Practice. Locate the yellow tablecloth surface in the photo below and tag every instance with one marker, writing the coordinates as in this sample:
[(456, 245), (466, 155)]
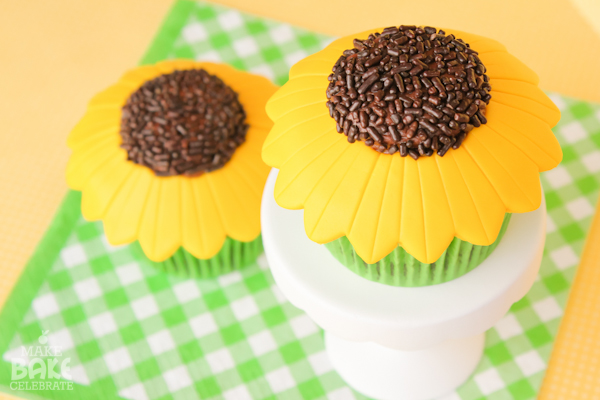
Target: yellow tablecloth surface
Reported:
[(57, 54)]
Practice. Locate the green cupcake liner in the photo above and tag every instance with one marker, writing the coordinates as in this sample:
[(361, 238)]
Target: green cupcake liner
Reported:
[(401, 269), (232, 256)]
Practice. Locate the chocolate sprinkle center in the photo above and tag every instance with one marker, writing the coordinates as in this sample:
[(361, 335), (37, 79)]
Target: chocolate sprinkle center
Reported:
[(183, 123), (413, 90)]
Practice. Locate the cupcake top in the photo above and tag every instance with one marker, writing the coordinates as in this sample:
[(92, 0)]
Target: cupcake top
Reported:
[(170, 156), (443, 158)]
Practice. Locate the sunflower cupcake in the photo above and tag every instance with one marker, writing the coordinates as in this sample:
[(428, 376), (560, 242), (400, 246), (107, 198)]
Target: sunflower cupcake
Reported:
[(169, 156), (409, 148)]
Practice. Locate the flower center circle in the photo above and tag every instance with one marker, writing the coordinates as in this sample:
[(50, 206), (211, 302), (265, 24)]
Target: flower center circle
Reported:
[(184, 123), (413, 90)]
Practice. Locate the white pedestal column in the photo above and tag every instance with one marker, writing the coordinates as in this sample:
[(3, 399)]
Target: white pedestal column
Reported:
[(384, 373), (393, 342)]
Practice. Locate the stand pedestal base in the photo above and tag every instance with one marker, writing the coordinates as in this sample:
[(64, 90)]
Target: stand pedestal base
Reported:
[(388, 374)]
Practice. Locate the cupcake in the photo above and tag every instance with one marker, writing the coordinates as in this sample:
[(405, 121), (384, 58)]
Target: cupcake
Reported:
[(409, 148), (169, 156)]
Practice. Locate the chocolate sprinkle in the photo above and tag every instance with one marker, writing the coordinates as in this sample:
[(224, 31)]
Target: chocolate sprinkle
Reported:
[(183, 123), (412, 90)]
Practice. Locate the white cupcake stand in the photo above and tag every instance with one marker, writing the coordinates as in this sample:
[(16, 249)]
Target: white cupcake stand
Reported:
[(393, 342)]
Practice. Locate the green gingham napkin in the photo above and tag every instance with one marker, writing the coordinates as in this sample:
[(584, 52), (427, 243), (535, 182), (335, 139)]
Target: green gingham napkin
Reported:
[(127, 330)]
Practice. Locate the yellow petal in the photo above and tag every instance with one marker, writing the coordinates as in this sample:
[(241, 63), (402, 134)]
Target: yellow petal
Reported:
[(253, 91), (319, 63), (345, 43), (297, 92), (327, 213), (122, 218), (256, 116), (114, 96), (365, 226), (84, 162), (478, 43), (488, 204), (312, 66), (255, 138), (465, 217), (168, 66), (257, 172), (313, 97), (513, 175), (437, 217), (203, 231), (168, 228), (412, 227), (486, 45), (139, 75), (386, 238), (527, 132), (249, 184), (251, 148), (191, 234), (294, 131), (537, 155), (94, 124), (550, 117), (252, 176), (147, 234), (100, 188), (236, 214), (300, 173), (107, 134), (525, 90), (286, 105), (323, 218), (502, 65)]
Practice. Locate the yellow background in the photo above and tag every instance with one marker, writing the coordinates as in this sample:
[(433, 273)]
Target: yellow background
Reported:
[(57, 54)]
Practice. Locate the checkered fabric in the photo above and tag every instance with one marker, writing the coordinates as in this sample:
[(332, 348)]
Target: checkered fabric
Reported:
[(133, 332)]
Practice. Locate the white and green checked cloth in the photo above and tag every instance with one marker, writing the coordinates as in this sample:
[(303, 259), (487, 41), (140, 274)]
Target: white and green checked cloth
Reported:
[(130, 331)]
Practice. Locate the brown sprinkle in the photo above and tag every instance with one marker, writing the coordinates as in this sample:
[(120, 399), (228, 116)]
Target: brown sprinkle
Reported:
[(411, 90), (183, 123)]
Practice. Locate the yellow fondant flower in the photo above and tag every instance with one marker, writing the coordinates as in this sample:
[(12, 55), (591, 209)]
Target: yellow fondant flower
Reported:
[(164, 213), (380, 201)]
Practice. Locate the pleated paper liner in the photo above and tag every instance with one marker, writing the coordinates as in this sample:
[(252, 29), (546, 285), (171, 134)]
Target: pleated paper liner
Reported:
[(401, 269), (233, 255)]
